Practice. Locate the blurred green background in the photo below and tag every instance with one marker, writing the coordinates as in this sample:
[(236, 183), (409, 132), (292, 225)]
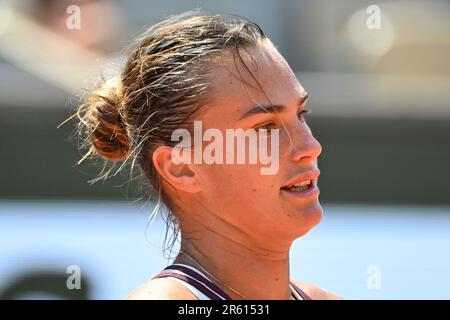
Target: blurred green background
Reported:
[(364, 160)]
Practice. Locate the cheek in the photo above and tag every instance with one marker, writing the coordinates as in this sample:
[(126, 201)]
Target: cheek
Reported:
[(241, 184)]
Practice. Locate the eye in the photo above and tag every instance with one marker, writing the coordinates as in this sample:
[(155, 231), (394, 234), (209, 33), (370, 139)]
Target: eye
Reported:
[(267, 125), (301, 114)]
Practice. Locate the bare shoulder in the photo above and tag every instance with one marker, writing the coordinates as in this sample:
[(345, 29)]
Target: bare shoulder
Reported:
[(161, 289), (315, 292)]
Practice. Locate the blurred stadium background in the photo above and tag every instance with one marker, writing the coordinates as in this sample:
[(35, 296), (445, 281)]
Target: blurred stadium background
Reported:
[(381, 109)]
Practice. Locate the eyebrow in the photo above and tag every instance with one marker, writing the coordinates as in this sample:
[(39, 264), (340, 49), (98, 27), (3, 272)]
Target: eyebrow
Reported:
[(271, 108)]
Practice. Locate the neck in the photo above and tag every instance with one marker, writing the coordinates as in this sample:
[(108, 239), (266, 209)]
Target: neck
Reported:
[(251, 270)]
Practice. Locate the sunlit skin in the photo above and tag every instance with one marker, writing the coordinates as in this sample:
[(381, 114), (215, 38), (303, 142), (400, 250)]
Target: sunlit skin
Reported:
[(236, 223)]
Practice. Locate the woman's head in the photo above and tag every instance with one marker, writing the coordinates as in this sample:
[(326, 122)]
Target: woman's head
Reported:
[(213, 69)]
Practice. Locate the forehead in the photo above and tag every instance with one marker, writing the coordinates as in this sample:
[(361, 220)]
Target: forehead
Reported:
[(233, 89)]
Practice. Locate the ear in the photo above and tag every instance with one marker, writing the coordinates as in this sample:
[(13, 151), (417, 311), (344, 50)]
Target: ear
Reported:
[(175, 171)]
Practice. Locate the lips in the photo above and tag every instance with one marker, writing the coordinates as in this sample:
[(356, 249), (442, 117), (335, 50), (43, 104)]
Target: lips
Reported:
[(303, 179), (303, 184), (299, 188)]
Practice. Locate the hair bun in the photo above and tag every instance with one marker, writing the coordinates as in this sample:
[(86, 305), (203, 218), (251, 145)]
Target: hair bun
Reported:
[(107, 127)]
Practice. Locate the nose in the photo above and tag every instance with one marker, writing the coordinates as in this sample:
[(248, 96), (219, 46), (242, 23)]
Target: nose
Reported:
[(305, 145)]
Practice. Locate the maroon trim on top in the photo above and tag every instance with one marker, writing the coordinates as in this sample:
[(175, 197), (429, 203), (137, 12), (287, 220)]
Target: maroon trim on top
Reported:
[(200, 282), (193, 282), (204, 285), (201, 278), (301, 292)]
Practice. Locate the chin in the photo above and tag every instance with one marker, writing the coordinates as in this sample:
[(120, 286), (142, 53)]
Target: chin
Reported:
[(308, 218)]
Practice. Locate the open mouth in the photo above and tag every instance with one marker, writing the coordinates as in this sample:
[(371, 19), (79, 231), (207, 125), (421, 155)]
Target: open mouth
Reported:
[(303, 185), (300, 187)]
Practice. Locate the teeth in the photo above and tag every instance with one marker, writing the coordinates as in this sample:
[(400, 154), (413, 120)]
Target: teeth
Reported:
[(298, 189), (303, 183), (301, 186)]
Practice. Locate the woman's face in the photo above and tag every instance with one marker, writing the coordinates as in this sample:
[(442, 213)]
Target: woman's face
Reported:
[(255, 203)]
